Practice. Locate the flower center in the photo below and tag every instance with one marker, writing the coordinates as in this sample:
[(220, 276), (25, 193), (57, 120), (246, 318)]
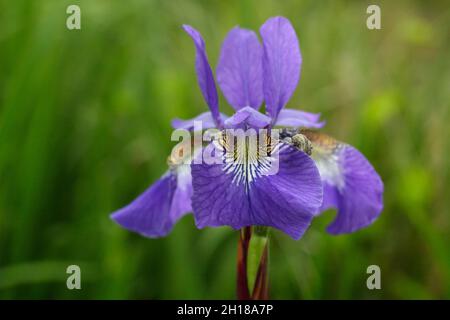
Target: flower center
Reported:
[(247, 155)]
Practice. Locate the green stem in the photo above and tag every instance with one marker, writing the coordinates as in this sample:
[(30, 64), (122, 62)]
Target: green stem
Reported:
[(258, 243)]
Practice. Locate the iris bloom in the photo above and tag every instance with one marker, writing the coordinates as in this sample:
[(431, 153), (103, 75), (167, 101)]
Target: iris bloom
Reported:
[(321, 174)]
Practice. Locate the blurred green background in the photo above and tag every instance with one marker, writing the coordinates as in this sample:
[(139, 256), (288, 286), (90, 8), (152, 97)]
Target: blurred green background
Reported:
[(85, 127)]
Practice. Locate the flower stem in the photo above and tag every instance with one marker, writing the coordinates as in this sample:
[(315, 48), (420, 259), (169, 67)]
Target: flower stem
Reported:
[(252, 276)]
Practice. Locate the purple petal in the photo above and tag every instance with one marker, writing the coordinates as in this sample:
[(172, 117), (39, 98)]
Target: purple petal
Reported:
[(154, 212), (204, 74), (297, 118), (205, 118), (239, 197), (239, 72), (352, 186), (281, 63), (248, 116)]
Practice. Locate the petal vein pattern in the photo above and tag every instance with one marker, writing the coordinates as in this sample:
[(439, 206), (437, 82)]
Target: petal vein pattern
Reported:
[(248, 157)]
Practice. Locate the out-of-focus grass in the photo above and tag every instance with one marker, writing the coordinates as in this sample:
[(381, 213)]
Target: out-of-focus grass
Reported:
[(84, 128)]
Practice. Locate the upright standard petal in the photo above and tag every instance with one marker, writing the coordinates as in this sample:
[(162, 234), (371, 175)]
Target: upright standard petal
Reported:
[(351, 184), (297, 118), (281, 63), (204, 74), (238, 194), (239, 71)]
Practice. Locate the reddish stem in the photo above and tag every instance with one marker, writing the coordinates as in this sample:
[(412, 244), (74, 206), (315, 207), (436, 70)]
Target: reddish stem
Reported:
[(242, 283)]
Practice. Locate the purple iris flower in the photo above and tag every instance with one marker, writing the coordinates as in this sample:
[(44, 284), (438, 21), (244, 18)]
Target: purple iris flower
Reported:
[(315, 173)]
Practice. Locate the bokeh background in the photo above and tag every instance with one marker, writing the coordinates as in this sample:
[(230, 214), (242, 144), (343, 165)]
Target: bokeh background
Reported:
[(85, 127)]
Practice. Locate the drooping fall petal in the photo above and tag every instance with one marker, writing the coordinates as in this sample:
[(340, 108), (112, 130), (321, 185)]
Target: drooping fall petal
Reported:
[(351, 184), (240, 194)]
